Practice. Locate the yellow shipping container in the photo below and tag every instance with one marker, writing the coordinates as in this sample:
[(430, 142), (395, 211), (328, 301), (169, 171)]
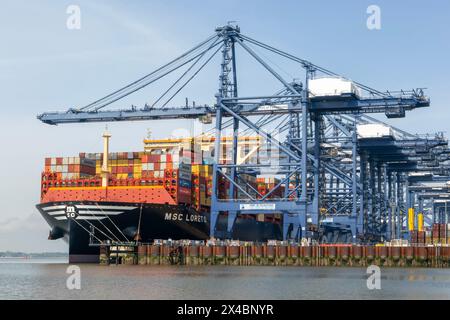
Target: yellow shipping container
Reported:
[(195, 168), (137, 170), (202, 170)]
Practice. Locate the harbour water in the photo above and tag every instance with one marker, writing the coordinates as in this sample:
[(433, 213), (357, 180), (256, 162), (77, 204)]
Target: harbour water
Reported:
[(46, 279)]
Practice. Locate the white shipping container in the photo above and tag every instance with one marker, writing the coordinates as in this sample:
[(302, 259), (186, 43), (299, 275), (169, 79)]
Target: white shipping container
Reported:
[(163, 158), (323, 87), (162, 166), (72, 176), (65, 161), (374, 130), (150, 166), (53, 161), (185, 160), (77, 160)]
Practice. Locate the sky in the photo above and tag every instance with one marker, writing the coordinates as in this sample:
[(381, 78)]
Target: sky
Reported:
[(44, 66)]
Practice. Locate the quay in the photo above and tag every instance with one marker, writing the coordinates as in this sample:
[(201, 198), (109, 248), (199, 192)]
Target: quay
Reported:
[(278, 253)]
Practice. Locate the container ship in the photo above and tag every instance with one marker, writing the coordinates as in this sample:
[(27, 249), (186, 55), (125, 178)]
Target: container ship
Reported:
[(162, 192)]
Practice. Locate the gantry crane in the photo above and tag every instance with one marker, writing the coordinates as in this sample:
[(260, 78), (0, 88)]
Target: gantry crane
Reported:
[(304, 127)]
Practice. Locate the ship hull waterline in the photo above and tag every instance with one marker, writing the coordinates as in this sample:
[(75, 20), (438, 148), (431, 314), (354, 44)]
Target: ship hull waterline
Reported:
[(83, 223)]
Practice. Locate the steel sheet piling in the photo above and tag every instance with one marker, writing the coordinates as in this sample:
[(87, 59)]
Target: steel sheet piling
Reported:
[(280, 254)]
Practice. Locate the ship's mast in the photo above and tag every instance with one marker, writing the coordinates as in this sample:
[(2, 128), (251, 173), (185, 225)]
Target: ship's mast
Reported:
[(105, 171)]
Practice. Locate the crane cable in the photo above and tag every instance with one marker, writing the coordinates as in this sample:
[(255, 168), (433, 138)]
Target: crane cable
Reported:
[(153, 73), (184, 74), (188, 80), (147, 83), (306, 63)]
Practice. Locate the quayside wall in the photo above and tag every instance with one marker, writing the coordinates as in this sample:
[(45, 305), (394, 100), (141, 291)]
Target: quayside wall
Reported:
[(278, 255)]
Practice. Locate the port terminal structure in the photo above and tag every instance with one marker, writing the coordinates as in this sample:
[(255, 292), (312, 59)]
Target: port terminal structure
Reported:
[(364, 186)]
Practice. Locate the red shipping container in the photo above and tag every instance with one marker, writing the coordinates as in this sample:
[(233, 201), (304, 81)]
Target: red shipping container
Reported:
[(48, 161), (59, 161)]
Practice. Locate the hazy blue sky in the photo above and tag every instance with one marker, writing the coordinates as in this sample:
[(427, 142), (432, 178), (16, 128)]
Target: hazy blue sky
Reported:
[(44, 66)]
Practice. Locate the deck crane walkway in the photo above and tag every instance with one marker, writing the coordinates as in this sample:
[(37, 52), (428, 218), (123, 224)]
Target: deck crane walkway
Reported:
[(306, 117)]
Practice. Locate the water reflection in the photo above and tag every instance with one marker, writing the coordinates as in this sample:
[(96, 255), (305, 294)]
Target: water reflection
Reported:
[(48, 281)]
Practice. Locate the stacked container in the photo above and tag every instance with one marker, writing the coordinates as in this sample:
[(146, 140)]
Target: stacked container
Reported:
[(266, 184), (201, 185), (183, 167), (121, 165), (70, 167), (154, 165)]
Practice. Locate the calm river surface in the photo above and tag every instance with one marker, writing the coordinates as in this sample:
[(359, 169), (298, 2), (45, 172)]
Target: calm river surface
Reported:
[(46, 279)]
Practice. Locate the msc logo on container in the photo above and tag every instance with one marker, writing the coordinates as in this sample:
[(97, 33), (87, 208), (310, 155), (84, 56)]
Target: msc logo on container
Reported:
[(71, 212)]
